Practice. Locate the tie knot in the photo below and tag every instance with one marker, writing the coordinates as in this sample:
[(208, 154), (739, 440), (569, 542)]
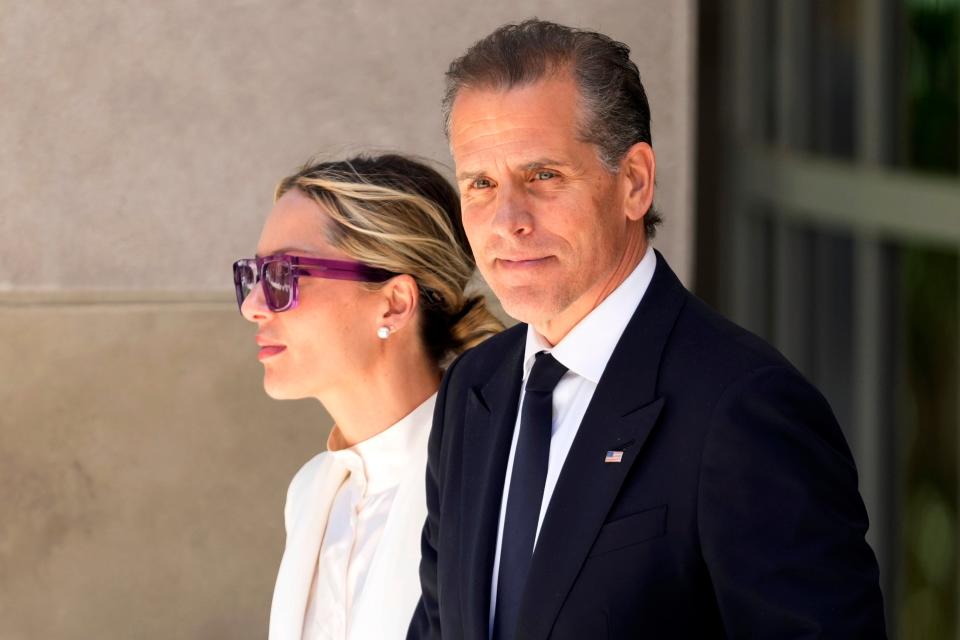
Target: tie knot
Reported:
[(546, 373)]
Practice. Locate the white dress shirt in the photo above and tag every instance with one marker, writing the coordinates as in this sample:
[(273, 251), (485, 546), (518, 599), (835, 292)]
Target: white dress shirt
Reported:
[(358, 516), (584, 351)]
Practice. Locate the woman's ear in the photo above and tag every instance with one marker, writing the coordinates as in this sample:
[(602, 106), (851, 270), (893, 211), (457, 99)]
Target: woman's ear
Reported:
[(401, 299), (638, 171)]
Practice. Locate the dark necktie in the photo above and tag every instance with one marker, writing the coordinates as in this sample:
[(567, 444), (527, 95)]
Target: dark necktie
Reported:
[(526, 492)]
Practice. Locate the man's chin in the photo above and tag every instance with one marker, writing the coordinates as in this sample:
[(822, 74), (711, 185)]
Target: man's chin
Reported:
[(526, 306)]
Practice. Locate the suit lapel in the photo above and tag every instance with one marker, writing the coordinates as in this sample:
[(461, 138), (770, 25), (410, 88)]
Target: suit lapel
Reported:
[(622, 413), (488, 429), (300, 555)]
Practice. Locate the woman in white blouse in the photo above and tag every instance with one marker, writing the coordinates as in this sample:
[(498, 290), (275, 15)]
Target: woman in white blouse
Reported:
[(358, 294)]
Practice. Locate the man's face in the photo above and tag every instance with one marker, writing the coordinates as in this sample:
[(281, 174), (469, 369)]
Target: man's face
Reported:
[(544, 217)]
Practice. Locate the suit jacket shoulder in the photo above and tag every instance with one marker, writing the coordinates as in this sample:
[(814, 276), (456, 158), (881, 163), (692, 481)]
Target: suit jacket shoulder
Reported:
[(476, 364)]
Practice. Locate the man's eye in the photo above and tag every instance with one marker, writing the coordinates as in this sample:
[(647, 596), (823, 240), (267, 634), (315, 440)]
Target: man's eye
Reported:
[(481, 183), (545, 175)]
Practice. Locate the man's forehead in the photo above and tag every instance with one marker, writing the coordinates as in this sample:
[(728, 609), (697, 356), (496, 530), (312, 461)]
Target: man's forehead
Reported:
[(526, 125)]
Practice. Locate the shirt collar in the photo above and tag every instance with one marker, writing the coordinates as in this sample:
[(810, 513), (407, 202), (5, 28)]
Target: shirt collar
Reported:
[(381, 462), (587, 348)]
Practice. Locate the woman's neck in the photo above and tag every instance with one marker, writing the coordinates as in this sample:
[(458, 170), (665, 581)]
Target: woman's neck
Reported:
[(376, 401)]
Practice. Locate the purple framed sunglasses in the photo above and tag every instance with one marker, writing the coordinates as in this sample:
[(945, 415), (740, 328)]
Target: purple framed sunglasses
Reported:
[(280, 272)]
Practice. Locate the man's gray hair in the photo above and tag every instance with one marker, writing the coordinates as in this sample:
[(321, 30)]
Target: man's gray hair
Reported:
[(614, 107)]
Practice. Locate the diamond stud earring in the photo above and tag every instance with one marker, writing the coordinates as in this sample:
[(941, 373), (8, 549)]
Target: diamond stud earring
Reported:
[(383, 332)]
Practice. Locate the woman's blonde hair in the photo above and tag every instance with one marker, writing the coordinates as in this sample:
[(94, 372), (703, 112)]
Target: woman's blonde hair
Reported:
[(401, 215)]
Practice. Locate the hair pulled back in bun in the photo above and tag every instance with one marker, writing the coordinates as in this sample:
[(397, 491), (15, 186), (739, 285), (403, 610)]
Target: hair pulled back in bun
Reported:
[(399, 214)]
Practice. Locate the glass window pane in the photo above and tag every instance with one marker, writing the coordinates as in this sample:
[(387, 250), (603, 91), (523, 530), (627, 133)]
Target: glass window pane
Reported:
[(928, 437), (931, 85)]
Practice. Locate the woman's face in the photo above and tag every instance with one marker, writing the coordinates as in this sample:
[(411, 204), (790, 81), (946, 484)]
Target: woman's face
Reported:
[(330, 338)]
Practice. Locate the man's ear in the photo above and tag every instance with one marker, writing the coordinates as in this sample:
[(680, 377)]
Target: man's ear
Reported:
[(401, 298), (638, 172)]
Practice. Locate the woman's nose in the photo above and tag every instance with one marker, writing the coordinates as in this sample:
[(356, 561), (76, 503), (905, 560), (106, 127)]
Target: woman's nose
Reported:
[(254, 307)]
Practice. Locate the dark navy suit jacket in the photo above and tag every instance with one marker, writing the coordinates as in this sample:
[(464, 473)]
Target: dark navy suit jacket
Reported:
[(733, 513)]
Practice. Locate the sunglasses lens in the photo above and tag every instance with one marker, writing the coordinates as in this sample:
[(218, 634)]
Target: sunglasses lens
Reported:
[(278, 285), (244, 279)]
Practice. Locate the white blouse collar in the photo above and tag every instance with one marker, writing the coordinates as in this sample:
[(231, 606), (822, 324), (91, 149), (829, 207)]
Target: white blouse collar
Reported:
[(379, 463)]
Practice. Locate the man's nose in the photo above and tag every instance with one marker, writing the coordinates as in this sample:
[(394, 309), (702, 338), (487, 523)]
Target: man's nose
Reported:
[(512, 216)]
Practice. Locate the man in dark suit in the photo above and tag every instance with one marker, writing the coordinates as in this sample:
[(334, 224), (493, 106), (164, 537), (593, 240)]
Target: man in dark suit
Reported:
[(627, 463)]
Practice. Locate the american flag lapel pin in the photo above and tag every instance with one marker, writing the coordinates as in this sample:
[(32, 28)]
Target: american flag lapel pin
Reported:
[(613, 456)]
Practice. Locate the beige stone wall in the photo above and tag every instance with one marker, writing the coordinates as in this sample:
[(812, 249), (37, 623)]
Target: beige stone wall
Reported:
[(142, 469)]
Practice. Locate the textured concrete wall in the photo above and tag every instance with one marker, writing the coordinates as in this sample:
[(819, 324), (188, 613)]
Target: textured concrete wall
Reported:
[(142, 469)]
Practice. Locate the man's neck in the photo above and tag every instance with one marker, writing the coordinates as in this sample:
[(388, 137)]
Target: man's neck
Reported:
[(557, 327)]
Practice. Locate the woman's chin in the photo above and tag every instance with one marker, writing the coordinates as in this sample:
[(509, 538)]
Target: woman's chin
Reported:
[(277, 390)]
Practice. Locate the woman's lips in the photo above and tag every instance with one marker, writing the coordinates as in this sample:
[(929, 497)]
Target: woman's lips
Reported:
[(269, 351)]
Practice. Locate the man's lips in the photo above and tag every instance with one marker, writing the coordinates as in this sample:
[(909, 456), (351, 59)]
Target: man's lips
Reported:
[(521, 263)]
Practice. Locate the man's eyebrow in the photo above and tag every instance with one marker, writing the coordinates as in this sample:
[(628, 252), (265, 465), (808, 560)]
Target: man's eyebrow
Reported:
[(539, 163), (469, 175)]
